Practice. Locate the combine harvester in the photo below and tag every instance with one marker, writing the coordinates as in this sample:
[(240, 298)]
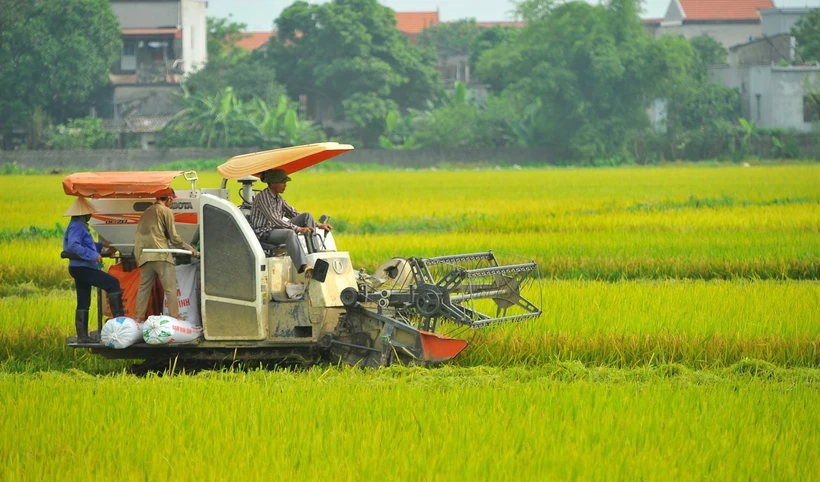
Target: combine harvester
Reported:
[(246, 300)]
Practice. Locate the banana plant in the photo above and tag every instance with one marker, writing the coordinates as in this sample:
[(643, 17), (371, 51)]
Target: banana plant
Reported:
[(521, 132), (749, 133), (277, 127), (399, 132), (219, 119)]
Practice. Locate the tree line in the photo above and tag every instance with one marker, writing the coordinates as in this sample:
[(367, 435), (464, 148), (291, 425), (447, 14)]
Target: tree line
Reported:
[(578, 79)]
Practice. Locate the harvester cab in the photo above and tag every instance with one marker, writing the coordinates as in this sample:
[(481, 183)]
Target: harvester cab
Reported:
[(254, 305)]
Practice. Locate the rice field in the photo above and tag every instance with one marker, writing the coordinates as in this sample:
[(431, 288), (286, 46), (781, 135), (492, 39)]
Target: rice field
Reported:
[(680, 340), (412, 424)]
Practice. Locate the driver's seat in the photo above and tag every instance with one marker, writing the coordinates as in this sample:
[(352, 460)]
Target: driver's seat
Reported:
[(276, 250)]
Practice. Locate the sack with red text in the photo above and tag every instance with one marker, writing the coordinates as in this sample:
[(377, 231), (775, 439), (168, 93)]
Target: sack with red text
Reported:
[(187, 293), (159, 330)]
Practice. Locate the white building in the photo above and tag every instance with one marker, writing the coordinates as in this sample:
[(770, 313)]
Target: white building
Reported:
[(162, 41), (776, 91)]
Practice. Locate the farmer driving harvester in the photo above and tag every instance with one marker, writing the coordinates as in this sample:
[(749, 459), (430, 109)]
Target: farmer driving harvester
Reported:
[(270, 225)]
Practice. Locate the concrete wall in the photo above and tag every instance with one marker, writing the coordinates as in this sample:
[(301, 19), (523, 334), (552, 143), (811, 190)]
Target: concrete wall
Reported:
[(147, 14), (726, 74), (762, 51), (771, 96), (145, 100), (194, 35), (756, 91), (788, 90), (674, 13), (138, 159), (111, 159), (780, 20), (728, 34)]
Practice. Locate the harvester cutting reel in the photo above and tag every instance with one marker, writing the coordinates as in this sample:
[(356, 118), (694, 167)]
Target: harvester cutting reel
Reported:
[(468, 289)]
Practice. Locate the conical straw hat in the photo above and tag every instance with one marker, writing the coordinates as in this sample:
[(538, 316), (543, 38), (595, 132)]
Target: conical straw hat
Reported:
[(81, 207)]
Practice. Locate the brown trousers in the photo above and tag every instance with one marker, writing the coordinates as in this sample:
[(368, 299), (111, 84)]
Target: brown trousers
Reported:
[(167, 274)]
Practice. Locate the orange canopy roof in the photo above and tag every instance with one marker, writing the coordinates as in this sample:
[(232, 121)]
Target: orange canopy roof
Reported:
[(120, 184), (291, 159)]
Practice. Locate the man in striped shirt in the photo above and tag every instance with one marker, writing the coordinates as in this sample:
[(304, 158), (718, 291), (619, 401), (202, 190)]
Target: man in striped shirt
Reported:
[(276, 222)]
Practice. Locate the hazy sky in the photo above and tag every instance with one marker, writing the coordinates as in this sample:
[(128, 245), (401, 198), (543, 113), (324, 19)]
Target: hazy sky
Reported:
[(259, 14)]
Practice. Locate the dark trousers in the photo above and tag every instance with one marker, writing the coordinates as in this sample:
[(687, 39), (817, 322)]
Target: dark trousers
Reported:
[(85, 278)]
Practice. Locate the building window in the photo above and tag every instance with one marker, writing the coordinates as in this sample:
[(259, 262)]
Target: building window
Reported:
[(811, 108), (757, 97), (128, 59)]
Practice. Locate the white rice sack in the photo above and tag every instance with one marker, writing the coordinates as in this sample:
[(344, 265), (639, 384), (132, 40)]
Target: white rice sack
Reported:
[(187, 294), (120, 332), (158, 330)]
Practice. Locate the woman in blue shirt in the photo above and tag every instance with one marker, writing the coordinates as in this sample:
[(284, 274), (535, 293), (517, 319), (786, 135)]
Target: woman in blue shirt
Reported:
[(84, 266)]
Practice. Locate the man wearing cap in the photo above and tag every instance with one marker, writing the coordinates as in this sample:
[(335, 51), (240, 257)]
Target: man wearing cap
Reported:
[(84, 266), (268, 221), (154, 230)]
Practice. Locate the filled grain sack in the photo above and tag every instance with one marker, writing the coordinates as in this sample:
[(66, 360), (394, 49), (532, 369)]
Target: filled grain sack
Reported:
[(187, 293), (120, 332), (158, 330)]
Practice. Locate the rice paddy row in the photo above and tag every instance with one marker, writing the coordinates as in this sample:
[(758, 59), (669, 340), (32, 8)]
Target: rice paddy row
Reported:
[(482, 423), (762, 255), (627, 324), (639, 369), (616, 224)]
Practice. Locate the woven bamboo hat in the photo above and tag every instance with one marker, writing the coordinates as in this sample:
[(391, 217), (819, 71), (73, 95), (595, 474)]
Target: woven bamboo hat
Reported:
[(81, 207)]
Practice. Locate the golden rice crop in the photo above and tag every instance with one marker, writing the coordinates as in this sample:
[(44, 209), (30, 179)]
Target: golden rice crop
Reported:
[(607, 224), (654, 379), (715, 255), (699, 324), (627, 324), (538, 196), (562, 422)]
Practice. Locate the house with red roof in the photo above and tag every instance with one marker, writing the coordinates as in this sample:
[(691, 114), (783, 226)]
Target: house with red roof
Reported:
[(730, 22), (412, 23), (254, 40), (771, 78)]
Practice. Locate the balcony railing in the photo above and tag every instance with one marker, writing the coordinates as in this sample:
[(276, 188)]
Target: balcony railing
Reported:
[(160, 72)]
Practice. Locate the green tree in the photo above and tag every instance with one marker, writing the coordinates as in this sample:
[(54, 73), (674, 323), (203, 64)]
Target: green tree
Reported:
[(709, 50), (223, 35), (489, 39), (699, 112), (594, 70), (229, 65), (348, 54), (248, 77), (82, 133), (534, 10), (458, 36), (53, 54), (807, 34)]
